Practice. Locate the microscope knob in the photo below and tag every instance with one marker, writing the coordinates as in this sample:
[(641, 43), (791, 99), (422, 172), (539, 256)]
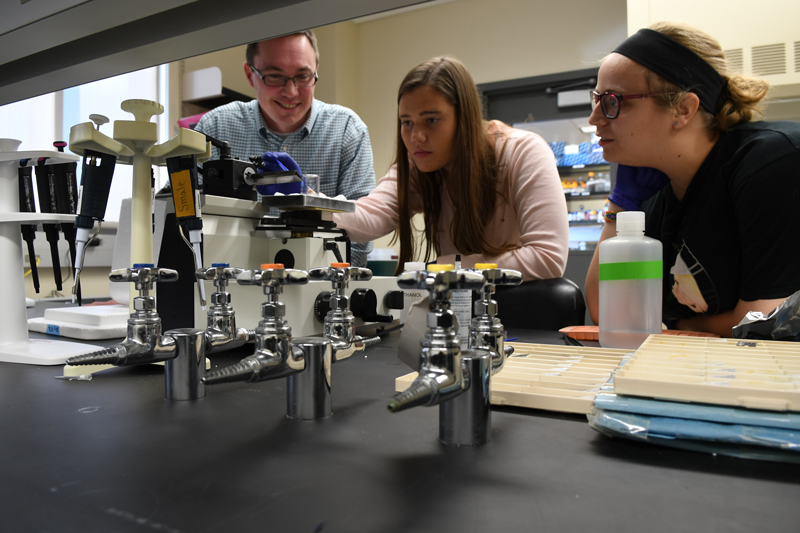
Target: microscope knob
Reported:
[(142, 110), (364, 305), (395, 300), (322, 304)]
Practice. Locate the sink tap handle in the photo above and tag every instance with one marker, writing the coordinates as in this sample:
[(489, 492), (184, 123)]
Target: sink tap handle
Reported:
[(498, 276), (440, 279), (272, 276), (340, 274), (220, 273), (144, 275)]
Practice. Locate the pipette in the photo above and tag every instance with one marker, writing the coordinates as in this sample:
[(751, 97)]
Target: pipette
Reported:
[(66, 200), (27, 204), (45, 185), (98, 169), (186, 199)]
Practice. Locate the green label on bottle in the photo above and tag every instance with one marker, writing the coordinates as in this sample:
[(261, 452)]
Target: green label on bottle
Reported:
[(632, 270)]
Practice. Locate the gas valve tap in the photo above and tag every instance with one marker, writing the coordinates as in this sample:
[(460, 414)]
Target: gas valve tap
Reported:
[(221, 324), (182, 350), (340, 323), (304, 362), (485, 330), (456, 381)]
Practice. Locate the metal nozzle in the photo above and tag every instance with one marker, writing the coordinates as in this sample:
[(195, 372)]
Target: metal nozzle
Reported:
[(369, 341), (241, 371), (109, 356), (421, 392)]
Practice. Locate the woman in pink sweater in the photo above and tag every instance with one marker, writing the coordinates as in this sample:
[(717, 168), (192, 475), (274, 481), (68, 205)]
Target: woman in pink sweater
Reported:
[(486, 191)]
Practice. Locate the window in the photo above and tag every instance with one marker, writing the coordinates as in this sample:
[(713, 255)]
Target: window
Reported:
[(40, 121)]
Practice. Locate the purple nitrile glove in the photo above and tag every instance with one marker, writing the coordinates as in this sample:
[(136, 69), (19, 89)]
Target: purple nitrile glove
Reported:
[(281, 162), (635, 185)]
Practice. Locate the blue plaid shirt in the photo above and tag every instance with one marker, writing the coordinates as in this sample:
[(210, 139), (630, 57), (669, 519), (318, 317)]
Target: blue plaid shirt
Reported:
[(333, 143)]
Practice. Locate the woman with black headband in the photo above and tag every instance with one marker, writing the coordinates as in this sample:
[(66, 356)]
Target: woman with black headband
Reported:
[(718, 190)]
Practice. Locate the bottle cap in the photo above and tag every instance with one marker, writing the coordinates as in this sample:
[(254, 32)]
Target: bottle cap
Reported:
[(440, 268), (273, 266), (340, 265), (630, 221)]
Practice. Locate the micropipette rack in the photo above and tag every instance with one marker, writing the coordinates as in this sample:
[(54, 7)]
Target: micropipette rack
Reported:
[(15, 345), (756, 374)]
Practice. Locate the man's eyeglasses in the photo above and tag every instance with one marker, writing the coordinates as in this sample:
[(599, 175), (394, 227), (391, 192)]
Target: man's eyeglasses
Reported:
[(611, 102), (279, 80)]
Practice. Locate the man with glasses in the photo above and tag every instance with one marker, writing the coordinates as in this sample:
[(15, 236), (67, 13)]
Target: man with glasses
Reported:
[(324, 139)]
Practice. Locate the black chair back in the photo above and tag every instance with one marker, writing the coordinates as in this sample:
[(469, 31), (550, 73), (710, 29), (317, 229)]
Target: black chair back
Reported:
[(547, 304)]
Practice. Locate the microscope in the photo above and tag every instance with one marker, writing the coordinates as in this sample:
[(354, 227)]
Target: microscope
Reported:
[(242, 231)]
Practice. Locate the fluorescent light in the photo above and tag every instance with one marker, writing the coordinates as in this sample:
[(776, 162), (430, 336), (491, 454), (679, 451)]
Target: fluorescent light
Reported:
[(588, 129)]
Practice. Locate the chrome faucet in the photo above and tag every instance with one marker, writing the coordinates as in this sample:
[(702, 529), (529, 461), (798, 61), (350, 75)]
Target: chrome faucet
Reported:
[(221, 331), (304, 362), (456, 381), (485, 330), (181, 350), (340, 323)]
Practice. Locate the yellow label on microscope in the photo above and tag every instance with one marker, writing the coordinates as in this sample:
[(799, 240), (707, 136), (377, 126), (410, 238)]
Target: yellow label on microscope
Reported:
[(182, 193)]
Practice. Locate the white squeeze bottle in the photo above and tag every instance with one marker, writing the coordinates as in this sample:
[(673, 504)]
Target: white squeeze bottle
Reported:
[(630, 284)]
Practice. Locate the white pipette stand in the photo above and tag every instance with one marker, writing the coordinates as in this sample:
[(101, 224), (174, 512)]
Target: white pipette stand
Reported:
[(15, 345), (139, 138), (133, 143)]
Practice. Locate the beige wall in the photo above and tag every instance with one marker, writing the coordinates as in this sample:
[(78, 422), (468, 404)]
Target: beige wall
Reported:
[(362, 64), (497, 40), (770, 22)]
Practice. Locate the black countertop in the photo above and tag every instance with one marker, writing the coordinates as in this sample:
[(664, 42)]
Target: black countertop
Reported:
[(112, 455)]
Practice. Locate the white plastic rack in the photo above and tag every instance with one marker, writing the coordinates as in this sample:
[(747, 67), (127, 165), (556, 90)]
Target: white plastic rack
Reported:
[(15, 345), (752, 373)]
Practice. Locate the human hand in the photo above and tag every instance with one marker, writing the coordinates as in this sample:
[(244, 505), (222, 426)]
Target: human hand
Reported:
[(635, 185), (280, 162)]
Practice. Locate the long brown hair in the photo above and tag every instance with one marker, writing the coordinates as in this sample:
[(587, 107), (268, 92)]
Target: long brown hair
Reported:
[(473, 184)]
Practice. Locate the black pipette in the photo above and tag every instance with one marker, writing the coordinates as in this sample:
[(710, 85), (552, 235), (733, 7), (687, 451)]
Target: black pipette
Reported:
[(45, 185), (96, 174), (27, 204), (66, 197), (186, 199)]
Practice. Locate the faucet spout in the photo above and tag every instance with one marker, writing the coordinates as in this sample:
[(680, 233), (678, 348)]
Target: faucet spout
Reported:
[(222, 340), (261, 366), (343, 349), (130, 352), (423, 391)]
